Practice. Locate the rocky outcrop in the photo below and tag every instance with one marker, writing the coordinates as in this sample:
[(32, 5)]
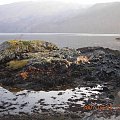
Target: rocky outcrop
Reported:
[(41, 65), (17, 49)]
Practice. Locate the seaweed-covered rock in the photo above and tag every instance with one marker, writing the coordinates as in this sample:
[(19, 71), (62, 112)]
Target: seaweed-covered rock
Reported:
[(41, 65)]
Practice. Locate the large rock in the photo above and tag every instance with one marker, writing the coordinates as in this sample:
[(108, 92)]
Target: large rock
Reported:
[(41, 65), (17, 49)]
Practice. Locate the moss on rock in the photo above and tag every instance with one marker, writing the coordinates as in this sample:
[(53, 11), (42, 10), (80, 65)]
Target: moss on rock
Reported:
[(16, 64), (30, 46), (16, 49)]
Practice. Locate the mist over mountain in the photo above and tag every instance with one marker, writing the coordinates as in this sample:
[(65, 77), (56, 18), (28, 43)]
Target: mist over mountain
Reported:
[(59, 17)]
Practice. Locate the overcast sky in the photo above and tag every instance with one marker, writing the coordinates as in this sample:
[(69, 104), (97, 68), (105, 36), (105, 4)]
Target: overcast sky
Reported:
[(68, 1)]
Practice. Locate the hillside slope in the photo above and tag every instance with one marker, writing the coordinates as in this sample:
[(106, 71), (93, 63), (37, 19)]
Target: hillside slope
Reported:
[(59, 17)]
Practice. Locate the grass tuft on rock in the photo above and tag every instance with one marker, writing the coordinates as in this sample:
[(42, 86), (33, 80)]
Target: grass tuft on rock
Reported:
[(17, 64)]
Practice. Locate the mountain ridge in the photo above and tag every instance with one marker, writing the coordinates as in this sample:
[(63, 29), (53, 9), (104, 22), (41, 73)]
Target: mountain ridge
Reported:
[(27, 17)]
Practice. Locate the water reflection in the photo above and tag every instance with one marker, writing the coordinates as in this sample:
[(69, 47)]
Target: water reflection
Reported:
[(36, 101)]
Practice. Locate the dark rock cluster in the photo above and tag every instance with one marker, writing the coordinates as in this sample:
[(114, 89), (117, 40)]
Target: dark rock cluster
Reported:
[(41, 65)]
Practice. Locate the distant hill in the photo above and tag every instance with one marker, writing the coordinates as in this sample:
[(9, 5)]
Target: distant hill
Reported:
[(100, 18), (59, 17)]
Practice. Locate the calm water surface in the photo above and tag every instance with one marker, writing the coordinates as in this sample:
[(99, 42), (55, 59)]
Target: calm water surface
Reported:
[(30, 101), (73, 40)]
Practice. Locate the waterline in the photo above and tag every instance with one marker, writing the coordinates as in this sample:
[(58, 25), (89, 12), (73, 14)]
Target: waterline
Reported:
[(66, 34)]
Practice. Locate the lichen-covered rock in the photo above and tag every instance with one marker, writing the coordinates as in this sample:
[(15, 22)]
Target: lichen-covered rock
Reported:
[(18, 49)]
